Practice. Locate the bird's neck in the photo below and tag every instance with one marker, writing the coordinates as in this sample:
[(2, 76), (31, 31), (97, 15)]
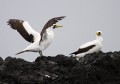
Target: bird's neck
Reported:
[(49, 31), (99, 38)]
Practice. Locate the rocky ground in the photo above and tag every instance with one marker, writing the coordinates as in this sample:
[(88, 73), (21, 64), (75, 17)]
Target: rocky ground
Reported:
[(101, 68)]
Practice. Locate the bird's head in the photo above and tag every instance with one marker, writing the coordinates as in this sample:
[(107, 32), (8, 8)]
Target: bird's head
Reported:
[(98, 33), (57, 26), (99, 36)]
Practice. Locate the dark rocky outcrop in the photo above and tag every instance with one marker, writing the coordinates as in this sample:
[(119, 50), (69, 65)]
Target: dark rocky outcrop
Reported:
[(96, 68)]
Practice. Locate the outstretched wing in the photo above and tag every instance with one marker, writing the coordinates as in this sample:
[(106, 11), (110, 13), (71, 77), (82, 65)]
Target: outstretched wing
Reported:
[(24, 29), (50, 23)]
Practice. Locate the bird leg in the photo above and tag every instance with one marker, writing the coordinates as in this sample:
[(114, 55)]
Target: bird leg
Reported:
[(40, 53)]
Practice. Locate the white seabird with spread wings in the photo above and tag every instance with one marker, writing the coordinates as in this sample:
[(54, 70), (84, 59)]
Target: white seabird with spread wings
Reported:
[(40, 41)]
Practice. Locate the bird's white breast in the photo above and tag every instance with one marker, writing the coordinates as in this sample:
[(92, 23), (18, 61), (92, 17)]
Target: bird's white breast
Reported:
[(47, 39), (49, 35)]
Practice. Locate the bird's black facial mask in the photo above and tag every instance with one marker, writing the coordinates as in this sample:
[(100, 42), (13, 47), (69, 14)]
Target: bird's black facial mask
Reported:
[(98, 33), (54, 26), (57, 26)]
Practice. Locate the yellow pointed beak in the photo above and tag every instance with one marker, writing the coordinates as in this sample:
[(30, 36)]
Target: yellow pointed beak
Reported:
[(58, 26)]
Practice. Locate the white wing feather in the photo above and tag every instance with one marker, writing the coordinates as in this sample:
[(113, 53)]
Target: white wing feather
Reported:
[(30, 30)]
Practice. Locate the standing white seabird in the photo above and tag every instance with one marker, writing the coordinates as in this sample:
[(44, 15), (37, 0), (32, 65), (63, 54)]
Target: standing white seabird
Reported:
[(90, 47), (39, 41)]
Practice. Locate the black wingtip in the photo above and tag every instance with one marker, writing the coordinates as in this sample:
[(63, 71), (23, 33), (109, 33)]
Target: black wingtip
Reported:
[(59, 18), (8, 22), (63, 16), (72, 53)]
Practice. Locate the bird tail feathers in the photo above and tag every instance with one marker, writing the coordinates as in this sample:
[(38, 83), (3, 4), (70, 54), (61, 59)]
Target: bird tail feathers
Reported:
[(20, 52)]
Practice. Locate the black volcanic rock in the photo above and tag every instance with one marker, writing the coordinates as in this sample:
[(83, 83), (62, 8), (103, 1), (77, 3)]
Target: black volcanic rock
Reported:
[(1, 59), (96, 68), (8, 58)]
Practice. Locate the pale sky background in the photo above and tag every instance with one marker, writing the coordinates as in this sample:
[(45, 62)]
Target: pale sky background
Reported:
[(84, 18)]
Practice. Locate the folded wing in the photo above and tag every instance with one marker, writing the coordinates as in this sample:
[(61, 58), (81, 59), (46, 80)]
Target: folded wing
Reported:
[(82, 50)]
